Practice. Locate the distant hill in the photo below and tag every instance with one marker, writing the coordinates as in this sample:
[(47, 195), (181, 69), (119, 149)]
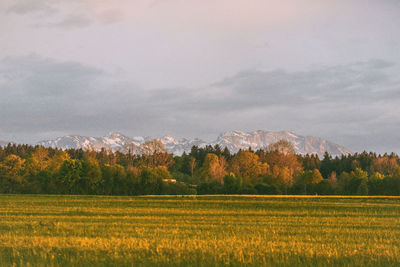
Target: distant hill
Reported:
[(233, 140)]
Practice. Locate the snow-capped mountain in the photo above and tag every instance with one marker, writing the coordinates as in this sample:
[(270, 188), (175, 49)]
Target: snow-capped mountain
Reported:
[(114, 141), (183, 145), (236, 140), (233, 140)]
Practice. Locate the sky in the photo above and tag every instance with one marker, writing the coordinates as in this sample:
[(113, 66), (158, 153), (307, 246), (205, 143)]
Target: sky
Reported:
[(198, 68)]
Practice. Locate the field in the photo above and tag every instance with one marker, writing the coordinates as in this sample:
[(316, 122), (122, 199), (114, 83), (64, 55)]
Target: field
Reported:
[(46, 230)]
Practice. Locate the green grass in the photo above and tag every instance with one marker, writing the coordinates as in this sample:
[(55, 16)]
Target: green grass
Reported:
[(43, 230)]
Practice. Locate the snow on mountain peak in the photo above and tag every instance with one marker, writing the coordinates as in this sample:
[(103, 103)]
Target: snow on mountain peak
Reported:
[(166, 139), (233, 140)]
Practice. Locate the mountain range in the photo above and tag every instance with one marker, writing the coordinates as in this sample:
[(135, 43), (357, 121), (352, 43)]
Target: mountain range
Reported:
[(233, 140)]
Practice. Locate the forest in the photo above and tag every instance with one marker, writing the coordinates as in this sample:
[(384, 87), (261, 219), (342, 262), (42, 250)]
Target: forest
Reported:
[(277, 169)]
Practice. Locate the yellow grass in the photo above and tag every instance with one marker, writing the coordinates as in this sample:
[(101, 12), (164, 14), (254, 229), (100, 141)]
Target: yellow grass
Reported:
[(199, 230)]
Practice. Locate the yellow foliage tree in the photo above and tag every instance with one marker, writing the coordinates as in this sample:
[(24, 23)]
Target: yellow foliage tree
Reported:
[(213, 169), (247, 165), (11, 172)]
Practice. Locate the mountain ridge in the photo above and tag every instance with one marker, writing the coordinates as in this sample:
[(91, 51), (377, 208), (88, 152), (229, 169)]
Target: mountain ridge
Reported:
[(233, 140)]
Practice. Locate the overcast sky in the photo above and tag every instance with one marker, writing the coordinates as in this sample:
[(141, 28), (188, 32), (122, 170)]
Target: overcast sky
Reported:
[(197, 68)]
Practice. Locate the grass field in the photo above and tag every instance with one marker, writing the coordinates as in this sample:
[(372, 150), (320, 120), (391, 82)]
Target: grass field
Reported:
[(48, 230)]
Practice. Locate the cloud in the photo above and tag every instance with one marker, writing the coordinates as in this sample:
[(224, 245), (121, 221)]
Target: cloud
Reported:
[(43, 77), (39, 92), (70, 21), (339, 85), (355, 105), (24, 7), (345, 103), (64, 13)]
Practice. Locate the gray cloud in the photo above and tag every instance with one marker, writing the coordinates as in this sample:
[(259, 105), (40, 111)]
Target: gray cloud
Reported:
[(351, 104), (61, 13), (186, 49), (354, 105), (69, 21), (37, 7), (332, 87)]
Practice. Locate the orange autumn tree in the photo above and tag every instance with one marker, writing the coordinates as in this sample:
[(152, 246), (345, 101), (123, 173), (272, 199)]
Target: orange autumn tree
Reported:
[(213, 169), (284, 163), (385, 165), (247, 165)]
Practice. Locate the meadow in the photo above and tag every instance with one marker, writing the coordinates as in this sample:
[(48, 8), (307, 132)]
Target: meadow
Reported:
[(58, 230)]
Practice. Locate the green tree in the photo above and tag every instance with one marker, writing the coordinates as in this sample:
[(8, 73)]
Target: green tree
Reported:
[(11, 174), (376, 184), (114, 180), (327, 165), (151, 179), (91, 176), (69, 176), (309, 178), (232, 184), (353, 183)]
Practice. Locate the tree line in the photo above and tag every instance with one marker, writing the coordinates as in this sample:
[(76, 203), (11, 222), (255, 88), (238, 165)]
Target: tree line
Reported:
[(208, 170)]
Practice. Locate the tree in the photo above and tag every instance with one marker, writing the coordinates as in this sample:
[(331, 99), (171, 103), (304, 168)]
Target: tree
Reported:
[(310, 162), (151, 179), (56, 161), (69, 176), (11, 173), (38, 161), (284, 163), (326, 165), (133, 180), (114, 180), (38, 172), (192, 165), (343, 182), (247, 165), (226, 153), (282, 147), (213, 169), (310, 177), (376, 184), (266, 189), (283, 177), (353, 183), (360, 174), (152, 147), (362, 188), (91, 176), (157, 159), (232, 184), (333, 181), (385, 165)]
